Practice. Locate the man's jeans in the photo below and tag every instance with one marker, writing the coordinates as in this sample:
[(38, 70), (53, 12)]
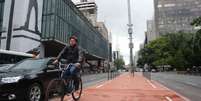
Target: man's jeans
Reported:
[(72, 71)]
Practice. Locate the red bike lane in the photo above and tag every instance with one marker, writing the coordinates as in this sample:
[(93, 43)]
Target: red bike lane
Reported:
[(128, 88)]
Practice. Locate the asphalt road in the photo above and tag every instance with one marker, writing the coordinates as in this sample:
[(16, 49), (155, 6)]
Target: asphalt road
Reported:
[(93, 79), (186, 85)]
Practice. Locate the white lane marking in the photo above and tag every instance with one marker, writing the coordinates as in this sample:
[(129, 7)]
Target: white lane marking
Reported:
[(168, 98), (99, 86), (191, 83), (151, 84), (186, 99), (107, 82)]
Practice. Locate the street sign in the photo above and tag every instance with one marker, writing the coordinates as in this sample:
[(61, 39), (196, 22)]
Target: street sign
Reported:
[(131, 45), (130, 30)]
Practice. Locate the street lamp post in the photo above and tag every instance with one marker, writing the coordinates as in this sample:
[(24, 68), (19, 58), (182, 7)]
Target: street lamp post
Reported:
[(130, 32)]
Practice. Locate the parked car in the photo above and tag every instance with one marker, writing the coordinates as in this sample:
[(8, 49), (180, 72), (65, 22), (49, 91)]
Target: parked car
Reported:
[(27, 80), (154, 70)]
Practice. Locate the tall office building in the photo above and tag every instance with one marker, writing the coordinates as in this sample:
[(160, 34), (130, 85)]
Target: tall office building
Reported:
[(176, 15), (1, 16), (151, 33)]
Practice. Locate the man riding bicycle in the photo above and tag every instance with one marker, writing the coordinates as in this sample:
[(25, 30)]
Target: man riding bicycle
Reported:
[(72, 56)]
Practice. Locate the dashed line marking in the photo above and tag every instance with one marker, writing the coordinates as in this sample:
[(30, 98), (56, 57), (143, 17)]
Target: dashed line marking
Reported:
[(168, 98), (152, 85), (99, 86), (70, 100), (183, 97)]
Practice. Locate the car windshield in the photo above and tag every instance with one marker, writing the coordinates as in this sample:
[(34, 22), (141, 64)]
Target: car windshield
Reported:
[(30, 64)]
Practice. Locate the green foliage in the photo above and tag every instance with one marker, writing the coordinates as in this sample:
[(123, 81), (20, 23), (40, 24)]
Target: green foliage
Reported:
[(196, 43), (119, 63), (173, 49), (179, 50), (196, 22)]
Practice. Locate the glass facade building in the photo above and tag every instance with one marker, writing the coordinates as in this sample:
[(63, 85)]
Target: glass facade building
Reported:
[(61, 19), (176, 15), (1, 17), (47, 25), (1, 13)]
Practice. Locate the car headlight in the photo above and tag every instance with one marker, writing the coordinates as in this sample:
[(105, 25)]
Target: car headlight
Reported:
[(11, 79)]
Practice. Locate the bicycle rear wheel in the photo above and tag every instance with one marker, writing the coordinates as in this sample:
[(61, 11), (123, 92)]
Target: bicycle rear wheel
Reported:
[(55, 90), (78, 93)]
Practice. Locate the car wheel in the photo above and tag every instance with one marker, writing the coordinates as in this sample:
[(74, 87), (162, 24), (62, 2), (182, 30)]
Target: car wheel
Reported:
[(34, 92)]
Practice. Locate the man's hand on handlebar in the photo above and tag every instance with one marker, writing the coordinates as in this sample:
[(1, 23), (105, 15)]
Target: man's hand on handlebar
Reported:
[(55, 61)]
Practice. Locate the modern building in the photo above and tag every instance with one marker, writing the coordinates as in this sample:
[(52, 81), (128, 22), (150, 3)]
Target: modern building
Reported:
[(176, 15), (151, 33), (1, 16), (21, 29), (116, 55), (146, 38), (142, 46), (102, 29), (89, 9), (47, 25), (136, 57), (110, 48)]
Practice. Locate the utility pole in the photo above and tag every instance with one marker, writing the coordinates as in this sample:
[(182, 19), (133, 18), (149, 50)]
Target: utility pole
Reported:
[(130, 32)]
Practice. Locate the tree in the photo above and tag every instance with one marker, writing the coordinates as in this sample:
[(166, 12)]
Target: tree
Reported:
[(119, 63), (180, 50), (171, 49), (140, 62), (196, 43)]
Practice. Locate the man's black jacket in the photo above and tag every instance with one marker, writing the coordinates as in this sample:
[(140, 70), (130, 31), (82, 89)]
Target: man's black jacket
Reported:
[(71, 54)]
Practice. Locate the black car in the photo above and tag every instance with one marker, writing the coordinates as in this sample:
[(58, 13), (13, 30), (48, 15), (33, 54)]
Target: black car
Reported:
[(27, 80), (4, 67)]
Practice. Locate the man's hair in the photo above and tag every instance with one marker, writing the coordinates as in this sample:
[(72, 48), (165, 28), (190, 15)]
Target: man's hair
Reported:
[(74, 37)]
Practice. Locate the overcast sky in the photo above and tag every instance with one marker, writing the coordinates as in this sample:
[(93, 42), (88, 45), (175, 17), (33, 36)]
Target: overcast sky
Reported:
[(114, 14)]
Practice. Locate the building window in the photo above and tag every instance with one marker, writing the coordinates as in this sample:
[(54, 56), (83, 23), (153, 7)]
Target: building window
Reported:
[(159, 6), (169, 5), (83, 0)]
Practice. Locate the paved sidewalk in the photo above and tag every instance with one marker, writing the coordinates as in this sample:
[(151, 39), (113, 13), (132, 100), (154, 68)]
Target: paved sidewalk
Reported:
[(128, 88)]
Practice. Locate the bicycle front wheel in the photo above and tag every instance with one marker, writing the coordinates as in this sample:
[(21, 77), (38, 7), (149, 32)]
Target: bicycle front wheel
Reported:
[(55, 90), (78, 93)]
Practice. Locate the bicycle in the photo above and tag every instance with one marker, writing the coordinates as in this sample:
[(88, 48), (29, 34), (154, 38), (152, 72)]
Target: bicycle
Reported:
[(57, 87)]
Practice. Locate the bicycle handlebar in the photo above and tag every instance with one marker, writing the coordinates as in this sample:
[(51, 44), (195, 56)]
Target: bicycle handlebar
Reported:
[(65, 66)]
